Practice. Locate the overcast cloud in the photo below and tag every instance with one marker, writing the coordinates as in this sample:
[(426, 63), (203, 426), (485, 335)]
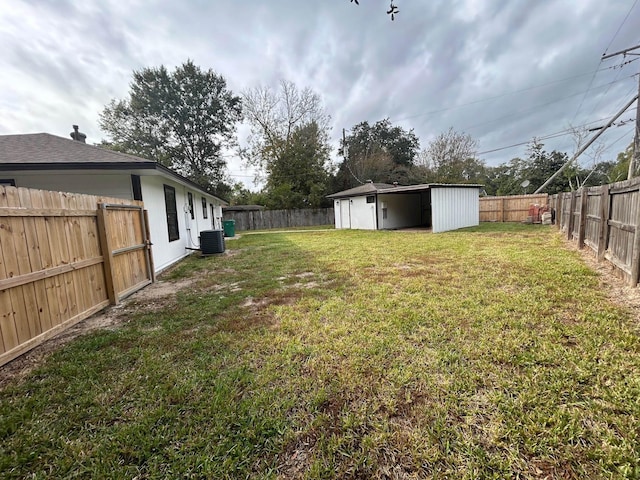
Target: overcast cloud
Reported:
[(501, 71)]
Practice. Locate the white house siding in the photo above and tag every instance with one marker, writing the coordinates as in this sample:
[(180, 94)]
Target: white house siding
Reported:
[(165, 252), (454, 208), (107, 184), (337, 213), (362, 214), (403, 210)]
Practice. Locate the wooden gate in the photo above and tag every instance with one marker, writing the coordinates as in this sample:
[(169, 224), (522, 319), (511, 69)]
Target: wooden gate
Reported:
[(64, 257), (123, 231)]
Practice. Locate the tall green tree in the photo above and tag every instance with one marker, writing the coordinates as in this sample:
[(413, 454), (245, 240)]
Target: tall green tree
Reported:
[(507, 178), (538, 166), (289, 143), (621, 169), (380, 152), (541, 165), (183, 119), (298, 178)]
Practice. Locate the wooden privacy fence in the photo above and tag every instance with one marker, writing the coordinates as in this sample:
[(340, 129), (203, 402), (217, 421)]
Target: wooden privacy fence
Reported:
[(63, 257), (607, 220), (513, 208), (265, 219)]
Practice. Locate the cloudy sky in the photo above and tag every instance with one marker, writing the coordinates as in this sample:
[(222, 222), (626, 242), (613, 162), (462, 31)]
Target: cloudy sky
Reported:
[(501, 71)]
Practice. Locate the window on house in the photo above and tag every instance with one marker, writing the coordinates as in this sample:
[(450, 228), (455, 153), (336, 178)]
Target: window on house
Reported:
[(190, 199), (204, 207), (213, 216), (172, 212), (371, 199), (136, 186)]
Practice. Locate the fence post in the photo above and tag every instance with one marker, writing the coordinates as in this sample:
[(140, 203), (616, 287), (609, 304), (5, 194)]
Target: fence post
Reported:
[(152, 268), (107, 255), (572, 206), (635, 254), (502, 210), (605, 204), (583, 217)]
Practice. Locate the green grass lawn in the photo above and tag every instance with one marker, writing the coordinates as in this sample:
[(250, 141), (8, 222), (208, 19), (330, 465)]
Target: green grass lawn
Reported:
[(483, 353)]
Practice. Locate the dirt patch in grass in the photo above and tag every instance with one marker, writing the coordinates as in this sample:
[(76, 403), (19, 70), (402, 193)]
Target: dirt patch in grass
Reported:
[(296, 459), (611, 281), (154, 297), (255, 312)]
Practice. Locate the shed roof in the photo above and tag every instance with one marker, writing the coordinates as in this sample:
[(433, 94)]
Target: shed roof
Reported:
[(43, 151), (243, 208), (385, 188), (364, 189)]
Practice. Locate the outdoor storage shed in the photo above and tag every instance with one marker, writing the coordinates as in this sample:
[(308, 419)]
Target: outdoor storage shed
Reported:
[(380, 206)]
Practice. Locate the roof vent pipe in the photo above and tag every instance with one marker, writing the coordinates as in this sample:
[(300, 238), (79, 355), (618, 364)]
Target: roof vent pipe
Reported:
[(77, 135)]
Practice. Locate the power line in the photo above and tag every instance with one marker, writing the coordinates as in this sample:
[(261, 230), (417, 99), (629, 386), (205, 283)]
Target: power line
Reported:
[(565, 146), (473, 102), (600, 62), (585, 93), (549, 136), (587, 145), (625, 96), (536, 107), (609, 87), (620, 27)]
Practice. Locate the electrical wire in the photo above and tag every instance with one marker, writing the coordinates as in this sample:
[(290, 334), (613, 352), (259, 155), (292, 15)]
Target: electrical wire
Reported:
[(600, 62), (548, 136), (473, 102), (625, 134), (573, 119), (620, 27), (625, 98), (603, 95), (532, 109)]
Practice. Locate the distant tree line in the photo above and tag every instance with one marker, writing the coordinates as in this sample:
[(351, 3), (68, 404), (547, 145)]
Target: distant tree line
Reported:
[(187, 120)]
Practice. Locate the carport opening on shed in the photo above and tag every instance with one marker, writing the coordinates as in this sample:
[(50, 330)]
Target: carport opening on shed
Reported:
[(380, 206)]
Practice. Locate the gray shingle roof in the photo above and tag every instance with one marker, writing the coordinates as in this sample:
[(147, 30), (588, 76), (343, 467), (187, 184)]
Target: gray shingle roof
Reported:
[(361, 190), (43, 151), (46, 149)]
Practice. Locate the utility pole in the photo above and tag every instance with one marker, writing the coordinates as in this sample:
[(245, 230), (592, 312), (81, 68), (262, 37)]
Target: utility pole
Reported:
[(634, 161), (587, 145), (635, 158)]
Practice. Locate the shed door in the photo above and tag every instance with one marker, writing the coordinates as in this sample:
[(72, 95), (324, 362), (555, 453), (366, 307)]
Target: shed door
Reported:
[(345, 213)]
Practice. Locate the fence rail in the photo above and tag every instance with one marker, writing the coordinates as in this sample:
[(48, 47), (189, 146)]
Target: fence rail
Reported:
[(606, 219), (265, 219), (63, 257), (509, 209)]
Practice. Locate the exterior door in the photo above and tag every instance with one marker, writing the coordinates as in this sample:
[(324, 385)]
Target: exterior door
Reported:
[(345, 213)]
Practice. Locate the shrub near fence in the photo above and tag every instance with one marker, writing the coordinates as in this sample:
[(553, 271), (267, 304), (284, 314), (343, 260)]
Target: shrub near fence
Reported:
[(514, 208), (266, 219), (607, 220)]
